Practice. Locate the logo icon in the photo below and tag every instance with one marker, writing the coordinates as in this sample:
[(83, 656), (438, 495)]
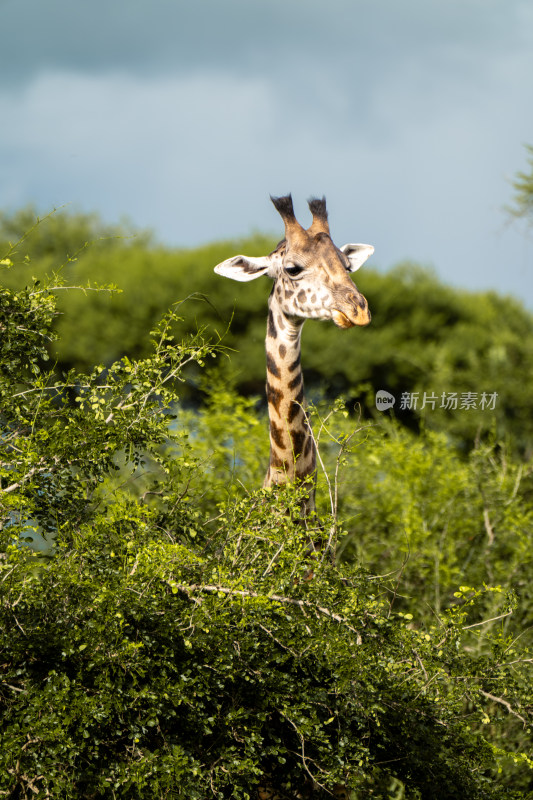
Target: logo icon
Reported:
[(384, 400)]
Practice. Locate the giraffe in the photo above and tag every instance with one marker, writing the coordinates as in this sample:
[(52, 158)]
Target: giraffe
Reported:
[(311, 281)]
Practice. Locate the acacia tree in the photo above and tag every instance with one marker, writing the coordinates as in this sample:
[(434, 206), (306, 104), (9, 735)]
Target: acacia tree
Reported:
[(523, 186), (157, 649)]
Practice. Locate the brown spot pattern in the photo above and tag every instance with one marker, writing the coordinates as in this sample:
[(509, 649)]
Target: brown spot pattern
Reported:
[(277, 462), (274, 396), (295, 364), (272, 366), (271, 329), (294, 410), (295, 381), (276, 434), (298, 441)]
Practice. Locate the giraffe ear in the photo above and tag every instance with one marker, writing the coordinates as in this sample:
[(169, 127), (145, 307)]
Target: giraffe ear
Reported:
[(357, 254), (243, 268)]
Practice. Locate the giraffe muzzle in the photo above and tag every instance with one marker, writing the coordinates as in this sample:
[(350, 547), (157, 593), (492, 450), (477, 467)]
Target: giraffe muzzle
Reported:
[(357, 313)]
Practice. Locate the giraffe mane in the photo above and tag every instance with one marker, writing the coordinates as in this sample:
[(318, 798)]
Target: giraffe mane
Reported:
[(279, 247)]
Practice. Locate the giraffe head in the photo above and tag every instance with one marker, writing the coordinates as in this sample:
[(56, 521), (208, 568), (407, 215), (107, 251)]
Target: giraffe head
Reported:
[(311, 275)]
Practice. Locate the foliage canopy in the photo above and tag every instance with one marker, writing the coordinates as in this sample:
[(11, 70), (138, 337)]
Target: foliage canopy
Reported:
[(160, 635)]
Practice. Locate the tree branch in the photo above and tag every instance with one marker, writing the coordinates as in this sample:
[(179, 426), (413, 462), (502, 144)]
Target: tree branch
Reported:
[(503, 702), (213, 589)]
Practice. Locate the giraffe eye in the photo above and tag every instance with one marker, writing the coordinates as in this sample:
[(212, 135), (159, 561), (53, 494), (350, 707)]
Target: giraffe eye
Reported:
[(294, 270)]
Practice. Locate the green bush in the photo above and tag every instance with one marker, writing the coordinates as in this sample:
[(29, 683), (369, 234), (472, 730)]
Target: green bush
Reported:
[(177, 639)]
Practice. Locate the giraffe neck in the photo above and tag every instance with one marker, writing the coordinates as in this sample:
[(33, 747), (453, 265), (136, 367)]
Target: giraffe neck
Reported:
[(292, 448)]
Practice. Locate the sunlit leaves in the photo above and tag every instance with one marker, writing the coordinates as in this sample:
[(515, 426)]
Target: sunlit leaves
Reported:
[(183, 639)]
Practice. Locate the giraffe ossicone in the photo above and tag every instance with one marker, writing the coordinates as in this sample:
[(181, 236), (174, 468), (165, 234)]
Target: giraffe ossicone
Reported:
[(311, 281)]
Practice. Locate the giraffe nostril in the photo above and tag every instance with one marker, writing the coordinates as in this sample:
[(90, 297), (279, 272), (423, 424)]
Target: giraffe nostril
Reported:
[(352, 309)]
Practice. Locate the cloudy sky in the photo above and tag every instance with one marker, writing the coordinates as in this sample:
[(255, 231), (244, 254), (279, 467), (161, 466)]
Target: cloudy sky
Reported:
[(184, 115)]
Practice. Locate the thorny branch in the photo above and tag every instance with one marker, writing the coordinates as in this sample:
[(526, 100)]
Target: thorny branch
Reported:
[(503, 702), (303, 604)]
